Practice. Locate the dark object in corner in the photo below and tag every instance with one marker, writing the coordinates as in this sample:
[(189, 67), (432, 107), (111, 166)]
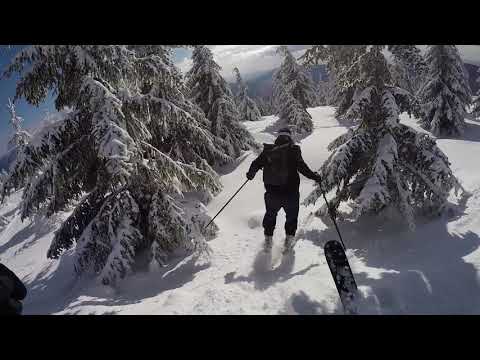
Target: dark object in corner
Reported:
[(12, 292)]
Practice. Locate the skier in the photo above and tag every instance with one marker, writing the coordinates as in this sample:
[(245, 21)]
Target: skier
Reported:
[(12, 291), (281, 163)]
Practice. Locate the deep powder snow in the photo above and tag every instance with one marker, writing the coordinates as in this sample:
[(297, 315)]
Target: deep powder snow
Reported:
[(431, 271)]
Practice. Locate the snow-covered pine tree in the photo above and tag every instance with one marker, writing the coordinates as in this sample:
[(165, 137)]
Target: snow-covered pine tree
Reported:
[(382, 164), (293, 91), (476, 106), (18, 141), (296, 76), (409, 67), (343, 73), (246, 106), (290, 111), (261, 105), (130, 147), (322, 93), (271, 105), (265, 105), (446, 94), (20, 137), (209, 90), (476, 100), (329, 90)]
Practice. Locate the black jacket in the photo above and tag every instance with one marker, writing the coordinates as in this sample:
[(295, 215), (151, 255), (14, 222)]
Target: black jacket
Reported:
[(281, 164), (12, 291)]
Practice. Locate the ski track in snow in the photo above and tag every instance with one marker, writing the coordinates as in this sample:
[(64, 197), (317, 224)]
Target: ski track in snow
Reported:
[(431, 271)]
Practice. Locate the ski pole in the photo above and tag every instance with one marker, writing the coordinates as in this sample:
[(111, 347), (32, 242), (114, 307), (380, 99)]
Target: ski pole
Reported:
[(332, 217), (228, 202)]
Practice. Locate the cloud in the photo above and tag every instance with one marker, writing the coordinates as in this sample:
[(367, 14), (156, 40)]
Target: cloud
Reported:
[(185, 64), (250, 59), (470, 53)]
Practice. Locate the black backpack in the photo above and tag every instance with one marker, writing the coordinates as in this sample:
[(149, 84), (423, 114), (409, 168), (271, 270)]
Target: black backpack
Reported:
[(275, 170)]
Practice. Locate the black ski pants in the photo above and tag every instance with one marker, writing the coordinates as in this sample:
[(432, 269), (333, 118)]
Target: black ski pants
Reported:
[(274, 201)]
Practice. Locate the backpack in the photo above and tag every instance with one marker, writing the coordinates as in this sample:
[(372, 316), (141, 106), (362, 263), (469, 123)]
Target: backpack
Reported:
[(275, 170)]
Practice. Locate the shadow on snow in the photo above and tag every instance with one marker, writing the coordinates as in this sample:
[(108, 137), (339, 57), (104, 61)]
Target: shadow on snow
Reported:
[(60, 289), (471, 132), (420, 272), (301, 304), (263, 275)]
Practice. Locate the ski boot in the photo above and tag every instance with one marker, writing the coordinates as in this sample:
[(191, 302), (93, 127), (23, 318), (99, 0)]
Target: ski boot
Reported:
[(267, 246), (289, 244)]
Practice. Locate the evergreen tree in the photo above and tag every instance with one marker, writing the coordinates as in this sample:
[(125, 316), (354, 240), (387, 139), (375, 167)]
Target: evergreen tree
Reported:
[(343, 87), (293, 91), (344, 74), (290, 111), (3, 220), (291, 74), (476, 100), (322, 93), (476, 106), (247, 107), (270, 105), (329, 90), (20, 137), (261, 105), (211, 93), (124, 155), (265, 105), (446, 95), (382, 164), (409, 67), (18, 141)]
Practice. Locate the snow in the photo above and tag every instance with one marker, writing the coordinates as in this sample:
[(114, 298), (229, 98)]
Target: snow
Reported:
[(375, 187), (434, 270)]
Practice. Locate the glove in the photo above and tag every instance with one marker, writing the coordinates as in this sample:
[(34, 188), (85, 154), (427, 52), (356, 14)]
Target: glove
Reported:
[(250, 175)]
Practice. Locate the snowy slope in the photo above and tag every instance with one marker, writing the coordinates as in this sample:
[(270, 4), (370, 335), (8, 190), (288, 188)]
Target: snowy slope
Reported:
[(434, 270)]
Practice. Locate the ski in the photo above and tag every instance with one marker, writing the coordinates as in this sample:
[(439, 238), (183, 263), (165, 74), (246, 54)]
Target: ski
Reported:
[(342, 275)]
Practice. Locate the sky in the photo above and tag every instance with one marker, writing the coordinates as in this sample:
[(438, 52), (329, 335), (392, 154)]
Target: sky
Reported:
[(251, 60), (29, 113)]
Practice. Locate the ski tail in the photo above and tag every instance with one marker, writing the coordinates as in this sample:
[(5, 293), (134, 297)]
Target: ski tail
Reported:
[(342, 275)]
